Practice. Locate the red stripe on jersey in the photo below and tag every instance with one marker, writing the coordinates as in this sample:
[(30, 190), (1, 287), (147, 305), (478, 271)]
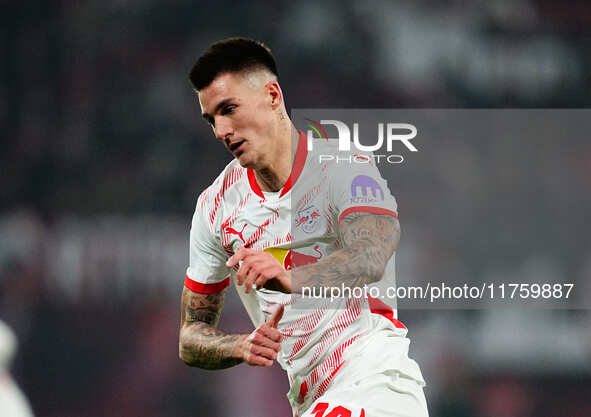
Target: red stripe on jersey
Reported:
[(303, 202), (253, 183), (352, 312), (306, 324), (332, 365), (232, 218), (324, 385), (323, 373), (229, 179), (257, 234), (200, 288), (379, 307), (367, 209), (204, 198), (277, 242), (303, 391), (298, 164)]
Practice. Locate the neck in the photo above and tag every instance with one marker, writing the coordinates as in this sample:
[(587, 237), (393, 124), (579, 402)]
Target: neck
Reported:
[(273, 176)]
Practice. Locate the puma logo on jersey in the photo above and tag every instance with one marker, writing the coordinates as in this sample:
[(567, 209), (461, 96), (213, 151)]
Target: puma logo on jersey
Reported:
[(231, 231)]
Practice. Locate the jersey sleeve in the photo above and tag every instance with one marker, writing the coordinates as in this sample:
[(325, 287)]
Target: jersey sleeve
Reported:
[(207, 272), (359, 187)]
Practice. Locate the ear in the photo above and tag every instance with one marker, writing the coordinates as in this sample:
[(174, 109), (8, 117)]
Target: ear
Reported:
[(274, 94)]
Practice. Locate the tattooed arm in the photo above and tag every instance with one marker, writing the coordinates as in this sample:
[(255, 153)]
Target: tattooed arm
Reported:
[(368, 242), (202, 345)]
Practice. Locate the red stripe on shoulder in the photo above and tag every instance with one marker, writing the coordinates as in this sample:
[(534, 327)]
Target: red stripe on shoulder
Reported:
[(230, 178), (206, 288), (368, 209)]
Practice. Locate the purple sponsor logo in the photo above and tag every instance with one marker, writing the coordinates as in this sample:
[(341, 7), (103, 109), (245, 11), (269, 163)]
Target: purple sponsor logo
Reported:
[(365, 189)]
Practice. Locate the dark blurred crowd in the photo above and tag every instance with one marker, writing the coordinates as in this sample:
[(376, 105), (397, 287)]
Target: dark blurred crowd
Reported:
[(104, 153)]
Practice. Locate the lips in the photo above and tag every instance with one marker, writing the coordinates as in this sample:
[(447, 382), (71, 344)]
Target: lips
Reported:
[(236, 147)]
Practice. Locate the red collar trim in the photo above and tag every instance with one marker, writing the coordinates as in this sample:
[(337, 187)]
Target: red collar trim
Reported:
[(253, 183), (298, 165)]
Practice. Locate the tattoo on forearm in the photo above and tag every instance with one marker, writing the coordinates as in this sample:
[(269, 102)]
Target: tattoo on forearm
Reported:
[(202, 307), (368, 242), (201, 343)]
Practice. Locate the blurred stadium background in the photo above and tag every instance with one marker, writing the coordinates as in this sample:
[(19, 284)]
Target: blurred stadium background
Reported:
[(104, 153)]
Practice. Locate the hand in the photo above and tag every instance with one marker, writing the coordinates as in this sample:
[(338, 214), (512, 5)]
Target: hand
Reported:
[(261, 269), (260, 348)]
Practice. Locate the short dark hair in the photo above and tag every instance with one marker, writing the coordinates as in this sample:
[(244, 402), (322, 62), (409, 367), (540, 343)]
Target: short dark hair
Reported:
[(231, 55)]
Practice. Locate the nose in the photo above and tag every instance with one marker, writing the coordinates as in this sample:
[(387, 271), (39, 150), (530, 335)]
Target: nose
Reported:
[(223, 129)]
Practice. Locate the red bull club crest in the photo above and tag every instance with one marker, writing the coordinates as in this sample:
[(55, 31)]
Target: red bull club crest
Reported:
[(291, 259), (308, 219)]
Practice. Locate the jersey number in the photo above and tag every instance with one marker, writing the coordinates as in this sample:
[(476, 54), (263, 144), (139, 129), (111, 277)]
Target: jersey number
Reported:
[(338, 411)]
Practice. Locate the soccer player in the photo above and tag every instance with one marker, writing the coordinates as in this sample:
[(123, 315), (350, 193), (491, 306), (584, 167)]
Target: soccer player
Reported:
[(343, 357)]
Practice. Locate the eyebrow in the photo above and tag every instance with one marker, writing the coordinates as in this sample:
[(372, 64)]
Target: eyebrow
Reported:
[(208, 117)]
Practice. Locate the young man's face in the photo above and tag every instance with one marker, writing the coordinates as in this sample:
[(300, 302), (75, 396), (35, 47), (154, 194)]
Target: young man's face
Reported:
[(240, 109)]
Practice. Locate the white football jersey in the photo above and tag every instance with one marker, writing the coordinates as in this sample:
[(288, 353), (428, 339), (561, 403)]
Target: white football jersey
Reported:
[(298, 225)]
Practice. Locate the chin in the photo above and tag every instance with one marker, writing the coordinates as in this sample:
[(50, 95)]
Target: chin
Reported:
[(246, 162)]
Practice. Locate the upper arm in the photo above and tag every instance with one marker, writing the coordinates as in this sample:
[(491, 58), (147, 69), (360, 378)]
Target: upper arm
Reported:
[(378, 231), (207, 271), (197, 307), (207, 276), (366, 211)]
